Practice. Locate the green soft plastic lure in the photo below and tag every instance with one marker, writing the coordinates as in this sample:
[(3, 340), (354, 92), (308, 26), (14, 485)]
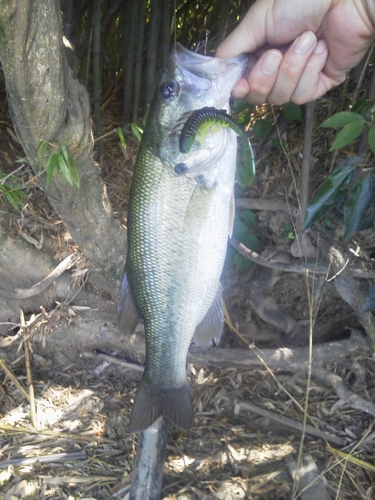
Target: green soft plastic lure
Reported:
[(196, 128)]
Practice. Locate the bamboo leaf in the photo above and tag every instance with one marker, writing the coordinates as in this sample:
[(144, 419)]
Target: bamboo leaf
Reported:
[(322, 201), (348, 134), (246, 169), (371, 139), (73, 170), (51, 166), (65, 153), (64, 168), (359, 200), (5, 189), (343, 118), (42, 152), (137, 131), (121, 137)]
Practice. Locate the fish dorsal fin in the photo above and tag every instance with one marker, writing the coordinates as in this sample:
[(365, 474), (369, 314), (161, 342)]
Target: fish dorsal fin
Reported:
[(128, 317), (210, 328)]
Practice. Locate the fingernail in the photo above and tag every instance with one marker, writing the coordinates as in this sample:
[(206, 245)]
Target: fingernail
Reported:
[(304, 43), (239, 92), (271, 62), (321, 47)]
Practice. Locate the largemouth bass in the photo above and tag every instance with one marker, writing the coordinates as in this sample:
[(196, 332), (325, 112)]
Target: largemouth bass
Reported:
[(180, 215)]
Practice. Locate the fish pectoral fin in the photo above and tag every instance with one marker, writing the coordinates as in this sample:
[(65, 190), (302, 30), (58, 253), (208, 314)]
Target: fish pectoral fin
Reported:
[(210, 328), (152, 402), (128, 317)]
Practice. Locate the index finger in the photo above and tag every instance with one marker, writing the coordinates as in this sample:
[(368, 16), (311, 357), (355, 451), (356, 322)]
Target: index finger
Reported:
[(244, 38)]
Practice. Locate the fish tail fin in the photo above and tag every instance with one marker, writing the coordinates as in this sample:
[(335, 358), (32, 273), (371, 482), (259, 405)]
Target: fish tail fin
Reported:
[(151, 402)]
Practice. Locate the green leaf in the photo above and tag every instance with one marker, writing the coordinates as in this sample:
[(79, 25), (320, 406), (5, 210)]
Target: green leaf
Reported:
[(240, 105), (371, 139), (121, 137), (363, 107), (279, 143), (246, 169), (73, 170), (369, 304), (248, 217), (292, 111), (343, 118), (51, 166), (240, 229), (64, 168), (322, 201), (42, 151), (359, 200), (137, 131), (347, 135), (65, 153), (244, 264), (261, 128)]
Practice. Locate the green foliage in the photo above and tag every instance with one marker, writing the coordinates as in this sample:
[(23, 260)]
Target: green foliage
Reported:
[(353, 123), (137, 131), (61, 159), (357, 204), (369, 304), (261, 128), (292, 111), (330, 193), (242, 231), (11, 189)]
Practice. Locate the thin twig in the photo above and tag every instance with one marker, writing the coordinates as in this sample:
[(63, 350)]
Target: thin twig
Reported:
[(289, 268), (282, 419), (305, 170), (38, 288), (28, 370), (45, 459), (8, 371)]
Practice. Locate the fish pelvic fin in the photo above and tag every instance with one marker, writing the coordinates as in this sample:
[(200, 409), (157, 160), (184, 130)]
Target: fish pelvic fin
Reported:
[(151, 402)]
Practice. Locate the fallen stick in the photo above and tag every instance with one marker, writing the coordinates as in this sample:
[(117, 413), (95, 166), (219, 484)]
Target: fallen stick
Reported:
[(289, 422), (148, 468), (45, 459)]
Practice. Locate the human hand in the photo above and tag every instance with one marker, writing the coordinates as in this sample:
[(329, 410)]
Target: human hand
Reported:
[(299, 49)]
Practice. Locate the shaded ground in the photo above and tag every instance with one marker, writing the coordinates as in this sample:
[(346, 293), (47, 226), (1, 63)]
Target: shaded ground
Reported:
[(230, 453)]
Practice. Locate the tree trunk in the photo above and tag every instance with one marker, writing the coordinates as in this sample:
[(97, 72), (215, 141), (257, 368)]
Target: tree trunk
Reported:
[(97, 75), (48, 104)]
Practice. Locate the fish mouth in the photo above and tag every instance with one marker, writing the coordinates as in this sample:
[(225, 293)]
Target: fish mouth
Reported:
[(201, 72)]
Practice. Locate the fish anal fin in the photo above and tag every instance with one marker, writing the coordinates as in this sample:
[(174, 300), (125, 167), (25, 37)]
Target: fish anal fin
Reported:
[(128, 317), (151, 402), (211, 327)]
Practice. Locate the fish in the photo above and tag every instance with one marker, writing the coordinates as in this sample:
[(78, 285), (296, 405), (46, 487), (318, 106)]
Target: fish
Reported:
[(181, 211)]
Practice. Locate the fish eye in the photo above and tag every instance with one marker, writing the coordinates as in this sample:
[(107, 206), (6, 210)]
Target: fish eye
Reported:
[(169, 89)]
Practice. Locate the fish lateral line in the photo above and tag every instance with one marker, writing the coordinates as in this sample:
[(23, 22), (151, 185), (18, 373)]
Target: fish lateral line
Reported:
[(196, 128)]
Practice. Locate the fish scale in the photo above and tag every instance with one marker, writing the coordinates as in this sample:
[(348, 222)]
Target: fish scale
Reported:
[(178, 227)]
